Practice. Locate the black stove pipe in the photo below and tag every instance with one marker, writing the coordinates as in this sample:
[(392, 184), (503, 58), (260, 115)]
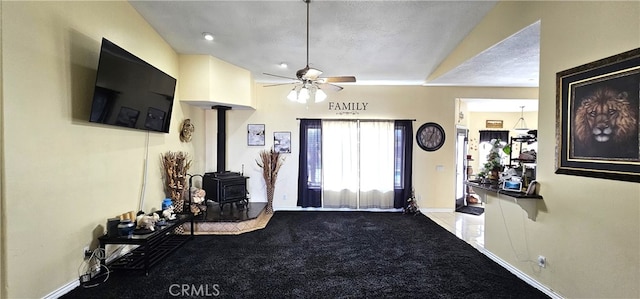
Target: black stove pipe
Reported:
[(222, 137)]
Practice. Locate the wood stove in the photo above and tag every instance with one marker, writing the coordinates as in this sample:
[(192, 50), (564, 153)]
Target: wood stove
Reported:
[(226, 187)]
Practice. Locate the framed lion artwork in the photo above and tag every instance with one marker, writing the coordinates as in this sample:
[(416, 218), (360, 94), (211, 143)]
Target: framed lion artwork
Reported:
[(598, 118)]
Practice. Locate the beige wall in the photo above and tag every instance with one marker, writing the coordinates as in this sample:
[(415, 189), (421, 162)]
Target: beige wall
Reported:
[(434, 189), (589, 229), (209, 81), (63, 176), (3, 231)]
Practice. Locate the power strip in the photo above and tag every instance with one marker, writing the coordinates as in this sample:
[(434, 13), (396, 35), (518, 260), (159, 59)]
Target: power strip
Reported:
[(84, 278)]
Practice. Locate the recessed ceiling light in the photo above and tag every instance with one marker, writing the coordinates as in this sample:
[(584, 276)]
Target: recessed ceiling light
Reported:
[(208, 36), (283, 65)]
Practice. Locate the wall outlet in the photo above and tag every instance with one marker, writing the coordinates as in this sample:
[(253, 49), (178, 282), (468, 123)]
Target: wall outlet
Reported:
[(86, 252), (284, 197), (542, 261)]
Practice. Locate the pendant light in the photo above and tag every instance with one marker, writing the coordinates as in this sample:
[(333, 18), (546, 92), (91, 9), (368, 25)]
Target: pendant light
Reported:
[(521, 125)]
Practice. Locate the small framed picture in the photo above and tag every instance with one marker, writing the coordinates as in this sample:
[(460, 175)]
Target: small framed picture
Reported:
[(255, 134), (493, 124), (282, 142)]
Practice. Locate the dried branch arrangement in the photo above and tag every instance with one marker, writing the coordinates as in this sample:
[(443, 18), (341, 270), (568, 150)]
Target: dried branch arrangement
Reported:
[(270, 162), (175, 166)]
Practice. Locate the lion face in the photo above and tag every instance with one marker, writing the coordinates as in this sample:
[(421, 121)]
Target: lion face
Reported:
[(605, 116)]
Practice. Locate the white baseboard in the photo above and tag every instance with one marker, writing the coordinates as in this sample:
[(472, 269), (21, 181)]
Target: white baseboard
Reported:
[(526, 278), (63, 289), (438, 210)]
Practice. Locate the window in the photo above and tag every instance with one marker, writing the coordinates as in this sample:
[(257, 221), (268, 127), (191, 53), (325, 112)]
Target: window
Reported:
[(311, 170), (314, 157)]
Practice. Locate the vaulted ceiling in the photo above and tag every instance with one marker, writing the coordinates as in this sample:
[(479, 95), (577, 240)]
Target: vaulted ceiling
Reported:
[(379, 42)]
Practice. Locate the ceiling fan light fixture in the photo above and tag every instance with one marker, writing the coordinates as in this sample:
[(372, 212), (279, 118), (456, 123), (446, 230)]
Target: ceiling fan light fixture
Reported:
[(320, 96), (303, 96), (308, 79), (293, 95)]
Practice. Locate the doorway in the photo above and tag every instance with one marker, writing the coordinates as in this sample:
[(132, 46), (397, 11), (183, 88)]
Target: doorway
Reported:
[(462, 134)]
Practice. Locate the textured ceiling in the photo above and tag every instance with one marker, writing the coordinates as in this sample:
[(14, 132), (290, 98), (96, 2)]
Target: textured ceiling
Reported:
[(379, 42), (514, 62)]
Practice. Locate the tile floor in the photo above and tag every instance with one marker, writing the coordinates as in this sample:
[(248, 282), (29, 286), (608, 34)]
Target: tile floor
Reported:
[(467, 227)]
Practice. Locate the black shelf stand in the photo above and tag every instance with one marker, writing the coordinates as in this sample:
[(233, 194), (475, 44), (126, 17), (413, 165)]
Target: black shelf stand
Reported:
[(152, 247), (521, 140)]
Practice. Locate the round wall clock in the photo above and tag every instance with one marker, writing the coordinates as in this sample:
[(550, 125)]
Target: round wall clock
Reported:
[(430, 136)]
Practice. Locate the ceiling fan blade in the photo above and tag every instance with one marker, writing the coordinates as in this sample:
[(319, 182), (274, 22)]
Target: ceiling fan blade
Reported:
[(340, 79), (279, 76), (329, 86), (270, 85)]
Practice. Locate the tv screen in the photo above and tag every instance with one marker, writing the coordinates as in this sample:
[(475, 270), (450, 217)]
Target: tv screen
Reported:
[(131, 93)]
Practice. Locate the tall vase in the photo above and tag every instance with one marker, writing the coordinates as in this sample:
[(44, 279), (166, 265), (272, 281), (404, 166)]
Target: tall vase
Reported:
[(270, 192), (177, 196)]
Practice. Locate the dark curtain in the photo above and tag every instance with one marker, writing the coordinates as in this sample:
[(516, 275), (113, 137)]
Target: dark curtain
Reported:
[(403, 156), (309, 184), (487, 135)]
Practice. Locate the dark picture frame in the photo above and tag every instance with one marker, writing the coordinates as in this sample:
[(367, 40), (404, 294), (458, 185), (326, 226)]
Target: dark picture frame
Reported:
[(598, 118), (282, 142), (255, 134)]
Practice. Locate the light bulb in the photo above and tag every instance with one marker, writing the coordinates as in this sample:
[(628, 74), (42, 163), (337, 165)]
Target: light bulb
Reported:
[(303, 96), (320, 95), (293, 95)]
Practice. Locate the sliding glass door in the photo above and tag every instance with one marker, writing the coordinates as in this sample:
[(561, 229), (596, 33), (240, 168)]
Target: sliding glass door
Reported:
[(363, 164)]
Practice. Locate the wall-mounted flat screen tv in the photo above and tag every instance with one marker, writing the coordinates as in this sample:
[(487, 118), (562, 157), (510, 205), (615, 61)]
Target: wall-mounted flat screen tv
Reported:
[(130, 92)]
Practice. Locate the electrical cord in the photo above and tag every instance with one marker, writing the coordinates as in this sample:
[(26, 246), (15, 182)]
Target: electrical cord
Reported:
[(96, 256), (144, 174), (99, 253), (506, 227), (106, 274)]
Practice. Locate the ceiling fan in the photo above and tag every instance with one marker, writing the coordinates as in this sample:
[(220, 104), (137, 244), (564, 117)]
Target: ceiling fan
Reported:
[(308, 82)]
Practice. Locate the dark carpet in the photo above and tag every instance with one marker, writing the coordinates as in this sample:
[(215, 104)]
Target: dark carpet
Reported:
[(470, 210), (323, 255)]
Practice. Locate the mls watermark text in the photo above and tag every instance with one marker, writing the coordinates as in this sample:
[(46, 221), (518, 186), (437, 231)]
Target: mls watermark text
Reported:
[(194, 290)]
